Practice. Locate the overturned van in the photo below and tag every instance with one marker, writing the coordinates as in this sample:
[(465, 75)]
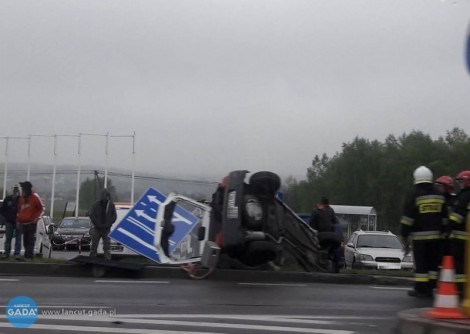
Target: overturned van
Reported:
[(245, 225)]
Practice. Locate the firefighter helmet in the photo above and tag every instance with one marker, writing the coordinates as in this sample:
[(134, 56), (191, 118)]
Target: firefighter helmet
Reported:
[(446, 182), (422, 174), (464, 178)]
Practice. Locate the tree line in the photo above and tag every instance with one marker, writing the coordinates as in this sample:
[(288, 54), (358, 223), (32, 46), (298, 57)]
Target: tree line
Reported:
[(378, 174)]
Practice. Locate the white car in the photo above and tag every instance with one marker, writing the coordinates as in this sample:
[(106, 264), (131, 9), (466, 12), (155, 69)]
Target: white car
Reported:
[(376, 250)]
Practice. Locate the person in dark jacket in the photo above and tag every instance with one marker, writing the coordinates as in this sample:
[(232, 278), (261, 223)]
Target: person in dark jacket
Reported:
[(323, 217), (424, 215), (457, 228), (9, 210), (102, 215), (445, 186)]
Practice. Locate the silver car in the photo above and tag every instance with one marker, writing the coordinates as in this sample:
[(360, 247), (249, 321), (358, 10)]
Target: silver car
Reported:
[(376, 250)]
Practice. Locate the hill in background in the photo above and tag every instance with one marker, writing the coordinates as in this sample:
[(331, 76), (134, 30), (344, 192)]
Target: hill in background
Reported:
[(66, 182)]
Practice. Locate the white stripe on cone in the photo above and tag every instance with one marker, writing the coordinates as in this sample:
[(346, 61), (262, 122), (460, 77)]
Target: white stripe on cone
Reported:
[(447, 275), (446, 301)]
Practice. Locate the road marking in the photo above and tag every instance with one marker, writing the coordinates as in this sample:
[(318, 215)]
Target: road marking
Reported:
[(194, 324), (261, 317), (132, 282), (250, 328), (9, 279), (388, 288), (143, 319), (274, 284), (270, 318), (82, 329)]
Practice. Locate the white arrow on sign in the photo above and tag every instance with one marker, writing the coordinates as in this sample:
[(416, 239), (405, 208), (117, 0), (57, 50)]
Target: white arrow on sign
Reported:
[(141, 213), (153, 199), (180, 218)]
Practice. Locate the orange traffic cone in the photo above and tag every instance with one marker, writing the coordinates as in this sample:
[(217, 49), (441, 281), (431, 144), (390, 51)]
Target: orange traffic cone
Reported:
[(446, 300)]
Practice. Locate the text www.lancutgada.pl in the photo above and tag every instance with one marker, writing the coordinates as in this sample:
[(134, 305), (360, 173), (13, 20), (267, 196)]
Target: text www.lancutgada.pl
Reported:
[(77, 311)]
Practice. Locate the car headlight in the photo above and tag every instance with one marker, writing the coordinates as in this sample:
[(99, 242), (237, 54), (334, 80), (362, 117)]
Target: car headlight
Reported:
[(365, 257), (407, 258)]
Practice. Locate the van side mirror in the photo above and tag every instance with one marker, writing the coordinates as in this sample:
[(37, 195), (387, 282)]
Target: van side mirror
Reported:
[(50, 229)]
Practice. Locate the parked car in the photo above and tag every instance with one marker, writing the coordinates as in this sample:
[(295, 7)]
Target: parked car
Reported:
[(376, 250), (72, 232), (42, 247)]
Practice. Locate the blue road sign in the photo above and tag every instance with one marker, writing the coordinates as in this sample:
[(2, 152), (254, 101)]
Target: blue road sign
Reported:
[(137, 229)]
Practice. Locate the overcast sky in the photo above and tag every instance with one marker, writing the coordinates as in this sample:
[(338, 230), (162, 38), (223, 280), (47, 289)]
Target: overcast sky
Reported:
[(214, 86)]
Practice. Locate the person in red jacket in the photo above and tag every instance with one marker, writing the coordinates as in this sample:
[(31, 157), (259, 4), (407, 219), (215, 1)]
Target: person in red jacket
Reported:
[(30, 210)]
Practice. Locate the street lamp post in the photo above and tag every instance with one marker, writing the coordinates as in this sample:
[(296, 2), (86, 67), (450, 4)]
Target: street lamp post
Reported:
[(133, 162), (79, 136), (28, 177)]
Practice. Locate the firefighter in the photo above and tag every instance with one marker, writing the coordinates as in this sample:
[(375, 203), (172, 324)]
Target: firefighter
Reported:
[(424, 216), (445, 186), (457, 227)]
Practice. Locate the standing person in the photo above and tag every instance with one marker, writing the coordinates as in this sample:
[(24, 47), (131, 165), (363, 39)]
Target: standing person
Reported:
[(9, 210), (103, 215), (424, 215), (445, 186), (30, 210), (323, 217), (457, 227)]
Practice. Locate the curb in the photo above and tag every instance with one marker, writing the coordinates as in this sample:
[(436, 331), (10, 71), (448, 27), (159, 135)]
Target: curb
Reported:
[(415, 321), (171, 272)]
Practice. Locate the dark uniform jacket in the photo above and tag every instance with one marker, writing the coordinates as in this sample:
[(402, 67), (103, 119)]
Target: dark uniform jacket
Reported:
[(425, 213), (457, 222), (9, 209)]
